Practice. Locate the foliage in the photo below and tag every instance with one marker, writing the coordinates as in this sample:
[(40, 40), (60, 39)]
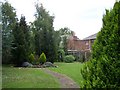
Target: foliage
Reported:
[(19, 40), (61, 55), (31, 37), (20, 45), (31, 58), (103, 70), (42, 58), (36, 60), (64, 33), (69, 58), (8, 23), (44, 34)]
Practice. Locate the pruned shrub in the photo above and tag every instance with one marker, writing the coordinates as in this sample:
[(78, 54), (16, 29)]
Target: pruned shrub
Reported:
[(69, 58), (31, 58), (42, 58)]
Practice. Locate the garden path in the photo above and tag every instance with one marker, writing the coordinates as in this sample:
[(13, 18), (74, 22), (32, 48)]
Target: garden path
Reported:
[(64, 80)]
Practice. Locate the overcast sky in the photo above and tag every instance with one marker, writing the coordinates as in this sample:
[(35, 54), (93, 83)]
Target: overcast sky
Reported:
[(84, 17)]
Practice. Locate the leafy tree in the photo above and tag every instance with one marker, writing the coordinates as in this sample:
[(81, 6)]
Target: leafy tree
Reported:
[(38, 28), (65, 31), (64, 34), (44, 34), (61, 55), (8, 23), (20, 46), (104, 69)]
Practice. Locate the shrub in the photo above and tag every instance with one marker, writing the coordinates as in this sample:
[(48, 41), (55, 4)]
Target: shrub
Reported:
[(42, 58), (31, 58), (69, 58), (103, 70)]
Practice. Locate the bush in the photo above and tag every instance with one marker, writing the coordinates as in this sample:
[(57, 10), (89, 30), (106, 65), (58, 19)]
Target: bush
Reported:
[(69, 58), (42, 58), (103, 70), (31, 58)]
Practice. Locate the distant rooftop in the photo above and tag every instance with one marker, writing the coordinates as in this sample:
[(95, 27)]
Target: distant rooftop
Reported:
[(91, 37)]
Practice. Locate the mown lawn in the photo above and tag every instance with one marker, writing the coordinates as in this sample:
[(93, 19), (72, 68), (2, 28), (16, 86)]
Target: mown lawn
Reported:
[(72, 70), (27, 78)]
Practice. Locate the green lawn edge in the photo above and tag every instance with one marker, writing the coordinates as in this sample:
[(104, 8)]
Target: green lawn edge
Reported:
[(27, 78)]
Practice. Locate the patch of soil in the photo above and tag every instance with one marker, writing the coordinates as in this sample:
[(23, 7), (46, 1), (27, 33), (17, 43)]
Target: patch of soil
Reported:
[(64, 80)]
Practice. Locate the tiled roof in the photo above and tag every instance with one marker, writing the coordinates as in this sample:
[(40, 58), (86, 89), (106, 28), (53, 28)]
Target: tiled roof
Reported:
[(91, 37)]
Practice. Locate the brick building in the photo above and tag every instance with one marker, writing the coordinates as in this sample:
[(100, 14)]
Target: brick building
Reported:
[(88, 42), (77, 46), (74, 43)]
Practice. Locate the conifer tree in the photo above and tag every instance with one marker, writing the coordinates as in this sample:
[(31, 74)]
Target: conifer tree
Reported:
[(8, 23), (103, 70), (20, 47)]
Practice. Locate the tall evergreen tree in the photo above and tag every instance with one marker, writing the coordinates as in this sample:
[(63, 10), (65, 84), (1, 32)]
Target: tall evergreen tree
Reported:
[(21, 42), (44, 34), (104, 69), (8, 23), (26, 31)]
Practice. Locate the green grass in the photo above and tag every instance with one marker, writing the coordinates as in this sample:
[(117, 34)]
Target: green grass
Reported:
[(27, 78), (36, 78), (72, 70)]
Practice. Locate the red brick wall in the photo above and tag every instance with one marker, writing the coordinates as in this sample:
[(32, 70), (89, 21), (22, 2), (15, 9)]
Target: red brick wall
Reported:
[(80, 45), (75, 44)]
